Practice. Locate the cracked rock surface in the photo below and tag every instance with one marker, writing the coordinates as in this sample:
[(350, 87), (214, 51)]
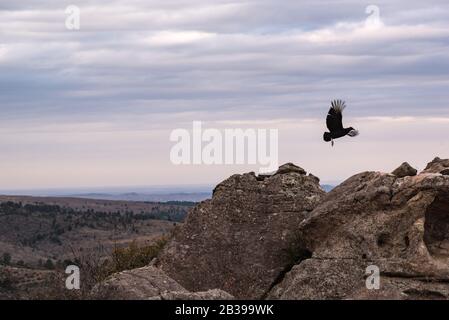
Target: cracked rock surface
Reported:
[(241, 240), (400, 225)]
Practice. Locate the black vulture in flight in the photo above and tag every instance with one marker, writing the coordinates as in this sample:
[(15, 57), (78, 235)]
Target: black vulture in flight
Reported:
[(335, 124)]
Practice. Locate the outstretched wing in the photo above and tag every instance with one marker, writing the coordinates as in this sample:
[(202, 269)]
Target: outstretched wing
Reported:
[(334, 119)]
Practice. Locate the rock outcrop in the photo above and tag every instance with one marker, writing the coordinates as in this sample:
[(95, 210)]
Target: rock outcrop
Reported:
[(399, 225), (150, 283), (438, 166), (241, 240), (281, 236), (290, 167), (405, 170)]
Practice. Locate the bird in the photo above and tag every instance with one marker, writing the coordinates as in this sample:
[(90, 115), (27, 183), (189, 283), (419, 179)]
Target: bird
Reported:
[(335, 124)]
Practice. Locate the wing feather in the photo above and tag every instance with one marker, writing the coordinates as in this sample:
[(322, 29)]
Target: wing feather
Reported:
[(334, 119)]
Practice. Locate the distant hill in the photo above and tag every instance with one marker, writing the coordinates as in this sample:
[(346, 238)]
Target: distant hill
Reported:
[(327, 187), (134, 196), (192, 193), (35, 229)]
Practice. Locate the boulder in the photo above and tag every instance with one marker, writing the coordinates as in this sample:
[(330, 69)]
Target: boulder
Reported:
[(400, 226), (136, 284), (241, 240), (405, 170), (437, 165), (290, 167), (149, 283)]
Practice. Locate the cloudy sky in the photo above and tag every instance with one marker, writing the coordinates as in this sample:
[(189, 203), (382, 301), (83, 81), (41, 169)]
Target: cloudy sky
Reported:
[(95, 106)]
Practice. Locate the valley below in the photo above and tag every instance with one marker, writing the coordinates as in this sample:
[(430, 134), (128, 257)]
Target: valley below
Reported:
[(40, 236)]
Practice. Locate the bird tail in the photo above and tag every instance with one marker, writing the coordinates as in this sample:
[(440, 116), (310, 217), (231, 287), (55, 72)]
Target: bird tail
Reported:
[(338, 105), (353, 133)]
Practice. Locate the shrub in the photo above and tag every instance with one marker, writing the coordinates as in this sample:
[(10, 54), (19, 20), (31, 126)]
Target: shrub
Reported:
[(95, 268), (49, 264), (6, 282), (6, 259), (135, 256)]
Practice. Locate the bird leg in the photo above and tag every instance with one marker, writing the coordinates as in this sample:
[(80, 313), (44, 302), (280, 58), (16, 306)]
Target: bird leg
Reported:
[(332, 142)]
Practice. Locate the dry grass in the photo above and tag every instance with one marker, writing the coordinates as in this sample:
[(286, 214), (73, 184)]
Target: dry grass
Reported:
[(135, 256), (95, 266)]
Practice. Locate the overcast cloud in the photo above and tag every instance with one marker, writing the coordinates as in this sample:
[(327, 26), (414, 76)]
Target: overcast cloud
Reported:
[(100, 102)]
